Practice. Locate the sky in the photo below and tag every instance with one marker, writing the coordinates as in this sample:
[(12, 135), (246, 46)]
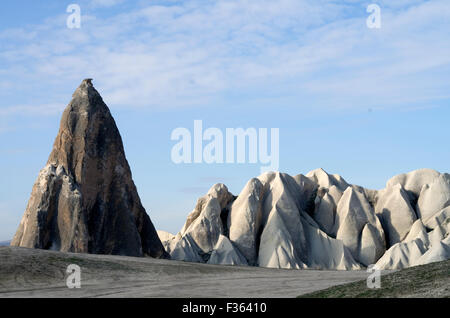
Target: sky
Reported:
[(365, 103)]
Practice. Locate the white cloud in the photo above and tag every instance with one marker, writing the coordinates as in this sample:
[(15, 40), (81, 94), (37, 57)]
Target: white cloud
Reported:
[(33, 110), (194, 52), (105, 3)]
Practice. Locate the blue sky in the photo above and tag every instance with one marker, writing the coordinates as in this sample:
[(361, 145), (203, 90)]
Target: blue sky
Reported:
[(363, 103)]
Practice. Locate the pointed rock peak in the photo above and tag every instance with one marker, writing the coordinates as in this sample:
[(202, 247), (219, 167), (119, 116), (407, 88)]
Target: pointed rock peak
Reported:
[(87, 134), (417, 230), (414, 181), (277, 177), (86, 99), (396, 187), (86, 88), (317, 172), (218, 189), (442, 217), (268, 176), (324, 179), (221, 193)]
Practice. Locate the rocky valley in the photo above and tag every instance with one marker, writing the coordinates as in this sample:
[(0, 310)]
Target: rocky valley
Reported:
[(85, 201), (319, 221)]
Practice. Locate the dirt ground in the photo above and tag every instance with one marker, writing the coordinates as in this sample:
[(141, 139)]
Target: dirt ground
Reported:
[(39, 273), (424, 281)]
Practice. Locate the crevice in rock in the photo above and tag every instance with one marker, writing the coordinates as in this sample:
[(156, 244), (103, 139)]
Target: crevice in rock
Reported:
[(310, 204), (224, 218)]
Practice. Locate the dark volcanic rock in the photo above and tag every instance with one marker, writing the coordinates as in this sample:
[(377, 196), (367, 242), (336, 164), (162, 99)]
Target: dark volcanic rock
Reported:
[(85, 199)]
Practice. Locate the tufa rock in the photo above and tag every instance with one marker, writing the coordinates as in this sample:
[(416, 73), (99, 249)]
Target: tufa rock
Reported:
[(319, 221), (84, 199)]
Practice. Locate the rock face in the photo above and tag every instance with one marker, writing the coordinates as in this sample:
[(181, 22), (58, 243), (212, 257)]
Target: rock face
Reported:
[(245, 220), (434, 197), (84, 199), (396, 213), (359, 228), (225, 254), (326, 252), (320, 221), (282, 240)]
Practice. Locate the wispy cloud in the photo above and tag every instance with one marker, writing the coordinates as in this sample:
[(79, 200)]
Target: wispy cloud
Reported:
[(196, 52), (105, 3), (32, 110)]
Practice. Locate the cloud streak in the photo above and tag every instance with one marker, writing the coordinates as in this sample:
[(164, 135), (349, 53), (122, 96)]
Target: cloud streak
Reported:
[(194, 53)]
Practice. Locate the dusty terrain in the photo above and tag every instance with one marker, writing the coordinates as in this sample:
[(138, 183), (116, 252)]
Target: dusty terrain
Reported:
[(39, 273), (425, 281)]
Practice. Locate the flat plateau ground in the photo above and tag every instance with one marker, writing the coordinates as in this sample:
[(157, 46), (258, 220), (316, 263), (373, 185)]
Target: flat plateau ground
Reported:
[(40, 273)]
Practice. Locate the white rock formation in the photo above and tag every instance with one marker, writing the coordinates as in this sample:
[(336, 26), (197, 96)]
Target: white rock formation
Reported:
[(186, 249), (325, 180), (319, 221), (401, 255), (414, 180), (244, 220), (359, 228), (372, 245), (438, 252), (437, 235), (418, 231), (438, 218), (325, 208), (277, 249), (219, 192), (419, 247), (434, 197), (168, 240), (225, 253), (308, 189), (325, 252), (283, 230), (396, 213), (207, 227)]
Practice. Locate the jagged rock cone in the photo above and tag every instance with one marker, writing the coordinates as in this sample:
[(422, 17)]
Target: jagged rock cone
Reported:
[(319, 221), (85, 200)]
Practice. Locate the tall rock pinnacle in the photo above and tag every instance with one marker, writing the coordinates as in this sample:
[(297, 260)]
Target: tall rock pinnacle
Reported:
[(85, 200)]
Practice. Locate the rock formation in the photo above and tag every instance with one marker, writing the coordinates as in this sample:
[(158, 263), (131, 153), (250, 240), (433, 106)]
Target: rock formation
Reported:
[(359, 228), (319, 220), (84, 199), (395, 212)]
